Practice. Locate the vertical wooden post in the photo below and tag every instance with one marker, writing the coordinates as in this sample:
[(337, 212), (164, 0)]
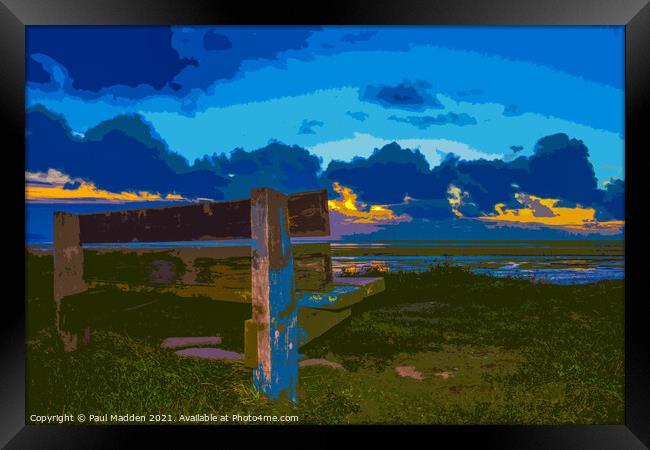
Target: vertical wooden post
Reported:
[(68, 272), (274, 314)]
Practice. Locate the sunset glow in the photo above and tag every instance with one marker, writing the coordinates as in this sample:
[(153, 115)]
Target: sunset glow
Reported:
[(455, 197), (544, 211), (50, 186), (348, 205)]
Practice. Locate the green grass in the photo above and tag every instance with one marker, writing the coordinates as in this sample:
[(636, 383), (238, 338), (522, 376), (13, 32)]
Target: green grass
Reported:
[(514, 352)]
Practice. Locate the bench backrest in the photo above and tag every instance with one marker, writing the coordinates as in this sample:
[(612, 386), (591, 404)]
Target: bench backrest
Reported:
[(229, 220), (308, 217)]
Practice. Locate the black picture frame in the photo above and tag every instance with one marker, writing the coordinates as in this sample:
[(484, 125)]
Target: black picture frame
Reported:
[(633, 14)]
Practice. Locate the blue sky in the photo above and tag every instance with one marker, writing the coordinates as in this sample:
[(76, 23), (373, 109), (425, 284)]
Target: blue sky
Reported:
[(548, 76), (473, 93)]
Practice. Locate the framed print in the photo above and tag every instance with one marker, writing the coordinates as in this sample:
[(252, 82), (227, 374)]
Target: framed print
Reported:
[(371, 215)]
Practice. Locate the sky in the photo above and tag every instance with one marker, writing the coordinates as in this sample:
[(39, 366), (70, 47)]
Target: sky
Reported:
[(419, 131)]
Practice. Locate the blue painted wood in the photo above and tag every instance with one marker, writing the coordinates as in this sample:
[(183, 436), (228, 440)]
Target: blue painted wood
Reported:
[(347, 291), (319, 299), (273, 296)]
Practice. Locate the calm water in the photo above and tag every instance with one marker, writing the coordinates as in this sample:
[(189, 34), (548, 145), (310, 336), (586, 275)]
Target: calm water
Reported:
[(550, 269), (573, 269)]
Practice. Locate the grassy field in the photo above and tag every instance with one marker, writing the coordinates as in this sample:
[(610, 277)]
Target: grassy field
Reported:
[(473, 350)]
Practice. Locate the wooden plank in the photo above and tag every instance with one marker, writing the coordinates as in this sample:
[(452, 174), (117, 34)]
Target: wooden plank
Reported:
[(274, 311), (313, 267), (316, 322), (250, 343), (199, 221), (308, 216), (219, 273), (340, 297), (184, 291), (370, 285), (68, 256), (346, 292)]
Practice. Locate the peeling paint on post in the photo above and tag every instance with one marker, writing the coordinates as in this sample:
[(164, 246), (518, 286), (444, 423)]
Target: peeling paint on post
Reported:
[(273, 295), (68, 272)]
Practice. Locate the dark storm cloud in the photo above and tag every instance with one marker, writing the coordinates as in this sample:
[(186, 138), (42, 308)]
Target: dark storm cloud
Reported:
[(35, 73), (126, 154), (424, 122), (613, 203), (408, 95), (100, 57), (559, 169), (387, 176), (134, 62), (491, 182), (216, 41), (436, 209), (285, 168), (137, 128), (221, 51), (119, 156)]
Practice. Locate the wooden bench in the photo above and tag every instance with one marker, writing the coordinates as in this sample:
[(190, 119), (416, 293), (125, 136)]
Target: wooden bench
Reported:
[(294, 295)]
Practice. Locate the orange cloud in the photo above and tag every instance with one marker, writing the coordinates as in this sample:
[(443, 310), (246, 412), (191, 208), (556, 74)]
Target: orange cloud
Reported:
[(456, 197), (348, 205), (543, 211), (50, 186)]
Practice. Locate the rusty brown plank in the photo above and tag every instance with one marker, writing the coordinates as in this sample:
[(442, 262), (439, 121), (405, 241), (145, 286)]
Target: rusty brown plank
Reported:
[(200, 221), (308, 216)]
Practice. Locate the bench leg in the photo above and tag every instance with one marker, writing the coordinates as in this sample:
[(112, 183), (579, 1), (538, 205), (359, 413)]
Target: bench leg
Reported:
[(68, 274), (274, 313)]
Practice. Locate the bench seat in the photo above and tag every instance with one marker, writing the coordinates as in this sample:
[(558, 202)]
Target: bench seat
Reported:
[(346, 292), (320, 311)]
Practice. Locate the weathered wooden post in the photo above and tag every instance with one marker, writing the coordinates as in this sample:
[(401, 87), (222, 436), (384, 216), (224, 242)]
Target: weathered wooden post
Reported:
[(68, 271), (274, 312)]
